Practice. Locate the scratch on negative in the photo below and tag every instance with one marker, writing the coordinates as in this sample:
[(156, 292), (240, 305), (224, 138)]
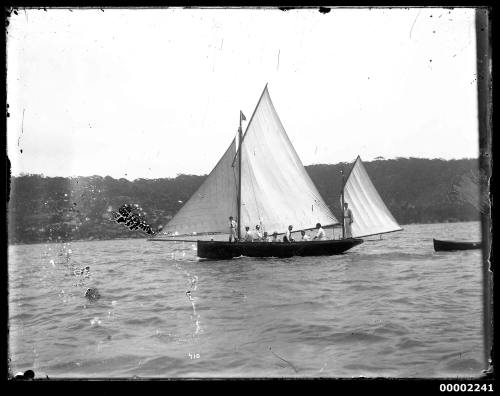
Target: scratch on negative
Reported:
[(278, 66), (286, 361), (414, 22), (22, 131)]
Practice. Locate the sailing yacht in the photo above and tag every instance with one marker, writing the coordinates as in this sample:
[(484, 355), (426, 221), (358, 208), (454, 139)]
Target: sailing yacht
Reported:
[(261, 180), (372, 216)]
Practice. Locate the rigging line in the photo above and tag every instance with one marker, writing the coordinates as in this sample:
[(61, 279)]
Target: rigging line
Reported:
[(318, 197), (204, 233), (319, 201), (249, 123), (322, 205), (255, 198)]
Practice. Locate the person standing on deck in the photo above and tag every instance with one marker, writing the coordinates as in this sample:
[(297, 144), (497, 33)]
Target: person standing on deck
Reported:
[(321, 235), (348, 220), (288, 235), (275, 237), (232, 229)]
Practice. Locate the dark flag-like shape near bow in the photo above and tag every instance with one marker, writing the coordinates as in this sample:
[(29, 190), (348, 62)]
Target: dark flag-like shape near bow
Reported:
[(132, 220)]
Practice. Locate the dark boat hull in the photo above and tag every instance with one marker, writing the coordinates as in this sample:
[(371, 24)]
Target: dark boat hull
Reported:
[(449, 246), (226, 250)]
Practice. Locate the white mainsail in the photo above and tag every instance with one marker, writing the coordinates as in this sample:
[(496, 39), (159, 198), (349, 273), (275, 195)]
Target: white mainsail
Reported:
[(276, 190), (208, 209), (370, 214)]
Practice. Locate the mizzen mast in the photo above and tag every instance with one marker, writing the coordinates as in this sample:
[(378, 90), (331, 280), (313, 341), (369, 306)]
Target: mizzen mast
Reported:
[(240, 136)]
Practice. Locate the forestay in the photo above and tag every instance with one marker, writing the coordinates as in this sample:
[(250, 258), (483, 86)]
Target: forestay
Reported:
[(208, 209), (370, 214), (276, 190)]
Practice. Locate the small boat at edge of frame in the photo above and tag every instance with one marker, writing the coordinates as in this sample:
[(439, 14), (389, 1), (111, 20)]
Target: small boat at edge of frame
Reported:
[(450, 246)]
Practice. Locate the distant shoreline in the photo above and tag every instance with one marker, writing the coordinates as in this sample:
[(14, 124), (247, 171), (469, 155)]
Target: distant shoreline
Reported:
[(144, 237), (415, 191)]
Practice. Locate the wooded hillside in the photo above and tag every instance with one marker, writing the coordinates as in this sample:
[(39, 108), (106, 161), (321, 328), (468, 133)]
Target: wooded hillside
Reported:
[(42, 209)]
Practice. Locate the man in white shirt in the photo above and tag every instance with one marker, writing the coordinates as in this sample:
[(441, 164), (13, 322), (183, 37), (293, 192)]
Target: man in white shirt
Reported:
[(321, 235), (305, 237), (248, 235), (288, 235), (232, 229), (257, 235), (348, 220)]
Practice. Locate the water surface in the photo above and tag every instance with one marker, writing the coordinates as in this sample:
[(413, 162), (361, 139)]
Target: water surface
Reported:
[(390, 307)]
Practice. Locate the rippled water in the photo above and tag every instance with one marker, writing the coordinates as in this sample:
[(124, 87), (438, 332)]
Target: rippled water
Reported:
[(390, 307)]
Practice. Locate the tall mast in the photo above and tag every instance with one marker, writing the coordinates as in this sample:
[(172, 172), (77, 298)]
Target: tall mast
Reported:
[(240, 135), (342, 203)]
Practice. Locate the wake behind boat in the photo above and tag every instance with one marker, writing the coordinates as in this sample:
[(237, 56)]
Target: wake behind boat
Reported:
[(262, 181)]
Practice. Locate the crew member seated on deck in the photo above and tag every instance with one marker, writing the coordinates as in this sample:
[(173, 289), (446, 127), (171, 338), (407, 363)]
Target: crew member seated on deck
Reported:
[(232, 229), (305, 237), (266, 238), (288, 235), (321, 235), (248, 235), (275, 237), (257, 235)]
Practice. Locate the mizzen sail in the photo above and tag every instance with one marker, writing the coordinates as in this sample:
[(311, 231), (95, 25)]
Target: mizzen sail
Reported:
[(370, 214), (208, 209), (276, 190)]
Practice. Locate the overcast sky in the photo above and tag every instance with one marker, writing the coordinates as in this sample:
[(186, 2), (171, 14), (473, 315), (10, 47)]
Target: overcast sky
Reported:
[(153, 93)]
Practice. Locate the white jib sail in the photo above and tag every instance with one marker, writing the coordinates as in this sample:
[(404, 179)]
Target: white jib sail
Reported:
[(370, 214), (210, 206), (276, 190)]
